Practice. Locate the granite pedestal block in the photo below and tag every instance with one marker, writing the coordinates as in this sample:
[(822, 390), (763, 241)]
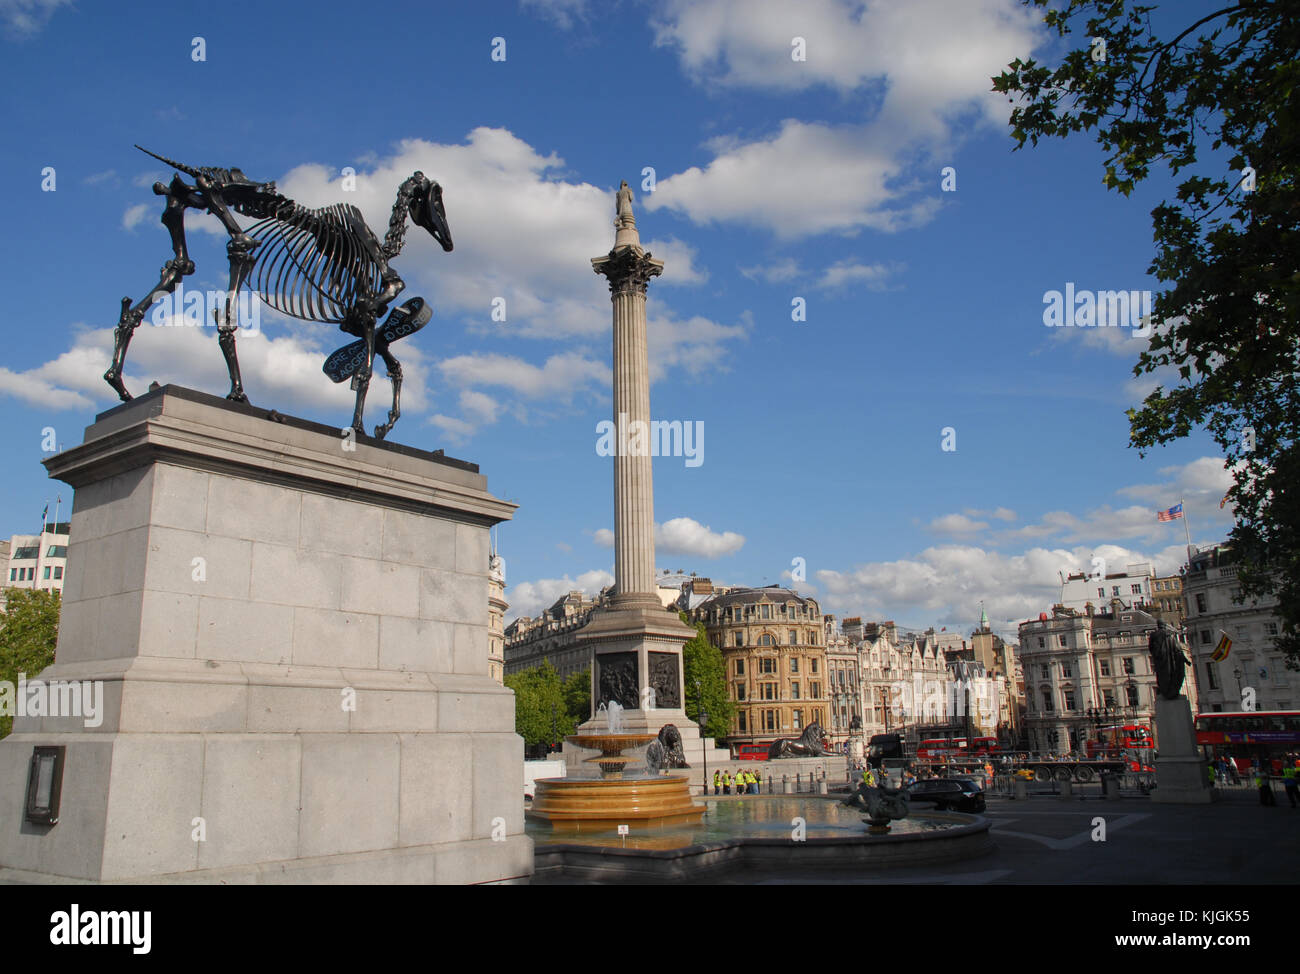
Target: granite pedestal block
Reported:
[(1181, 776), (290, 628)]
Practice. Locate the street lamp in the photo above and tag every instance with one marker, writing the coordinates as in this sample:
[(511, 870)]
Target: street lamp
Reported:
[(704, 723)]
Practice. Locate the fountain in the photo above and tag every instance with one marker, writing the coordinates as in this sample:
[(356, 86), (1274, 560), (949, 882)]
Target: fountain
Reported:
[(599, 804)]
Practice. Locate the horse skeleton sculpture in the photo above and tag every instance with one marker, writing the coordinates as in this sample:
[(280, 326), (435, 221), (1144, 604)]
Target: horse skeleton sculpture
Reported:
[(314, 264)]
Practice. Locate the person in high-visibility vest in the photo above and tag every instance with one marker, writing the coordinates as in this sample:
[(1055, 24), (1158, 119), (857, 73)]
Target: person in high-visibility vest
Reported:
[(726, 782), (753, 782), (1290, 782), (717, 782), (868, 778), (740, 781), (1265, 789)]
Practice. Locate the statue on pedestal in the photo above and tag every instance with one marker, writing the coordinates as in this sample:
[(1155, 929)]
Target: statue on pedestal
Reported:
[(1168, 660), (624, 205)]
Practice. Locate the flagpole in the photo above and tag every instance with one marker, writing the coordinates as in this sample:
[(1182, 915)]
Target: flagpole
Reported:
[(58, 503), (1188, 530)]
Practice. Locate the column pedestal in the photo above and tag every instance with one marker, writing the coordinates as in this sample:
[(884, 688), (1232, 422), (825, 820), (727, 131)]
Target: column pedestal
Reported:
[(1181, 776)]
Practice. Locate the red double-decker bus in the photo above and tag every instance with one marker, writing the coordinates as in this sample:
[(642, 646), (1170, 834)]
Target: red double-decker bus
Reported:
[(1266, 735), (941, 748), (1113, 740)]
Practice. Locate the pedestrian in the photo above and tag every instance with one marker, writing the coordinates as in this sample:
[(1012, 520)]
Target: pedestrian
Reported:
[(726, 782), (1291, 784), (758, 782), (717, 782), (753, 782), (1265, 789)]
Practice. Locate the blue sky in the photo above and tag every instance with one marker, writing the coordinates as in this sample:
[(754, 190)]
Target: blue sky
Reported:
[(774, 179)]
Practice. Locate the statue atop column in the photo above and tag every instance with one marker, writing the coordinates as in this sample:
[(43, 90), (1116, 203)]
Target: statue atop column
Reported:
[(624, 208)]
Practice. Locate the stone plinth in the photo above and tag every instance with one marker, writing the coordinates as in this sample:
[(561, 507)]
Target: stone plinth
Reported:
[(291, 632), (1181, 776)]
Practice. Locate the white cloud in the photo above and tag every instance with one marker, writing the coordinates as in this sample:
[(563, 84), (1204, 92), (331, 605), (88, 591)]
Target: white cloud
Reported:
[(685, 536), (563, 12), (924, 67), (956, 524), (27, 18), (944, 585), (847, 272), (778, 272), (530, 598), (559, 377)]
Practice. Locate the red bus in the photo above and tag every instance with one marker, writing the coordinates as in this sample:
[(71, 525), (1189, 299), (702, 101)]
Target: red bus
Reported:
[(1239, 736), (752, 752), (1111, 741)]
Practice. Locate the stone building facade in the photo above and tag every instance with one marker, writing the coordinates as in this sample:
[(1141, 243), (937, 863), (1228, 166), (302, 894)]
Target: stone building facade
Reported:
[(1253, 673), (1076, 661), (553, 636), (773, 649), (497, 606)]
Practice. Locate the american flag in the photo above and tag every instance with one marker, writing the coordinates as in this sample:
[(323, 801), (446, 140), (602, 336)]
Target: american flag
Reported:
[(1172, 514)]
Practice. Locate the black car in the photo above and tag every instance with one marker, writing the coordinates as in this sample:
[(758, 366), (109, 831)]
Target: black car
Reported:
[(959, 794)]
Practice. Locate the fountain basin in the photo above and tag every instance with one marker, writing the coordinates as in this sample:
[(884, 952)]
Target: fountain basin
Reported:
[(587, 805)]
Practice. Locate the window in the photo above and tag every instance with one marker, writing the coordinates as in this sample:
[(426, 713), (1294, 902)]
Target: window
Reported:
[(769, 720), (767, 611), (1069, 699), (1067, 671), (1061, 639), (1105, 667), (1047, 673), (1132, 693), (1041, 644), (47, 572), (794, 664), (815, 689), (767, 665), (740, 639), (769, 691), (1128, 665), (1270, 629), (814, 666), (13, 574), (1200, 602), (1047, 701), (1107, 699), (766, 640), (1137, 589), (740, 721), (798, 719), (794, 690), (1101, 593), (740, 667), (740, 691), (57, 551), (1114, 590), (1205, 635), (792, 637)]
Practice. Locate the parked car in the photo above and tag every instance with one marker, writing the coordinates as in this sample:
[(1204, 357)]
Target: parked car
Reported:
[(958, 794)]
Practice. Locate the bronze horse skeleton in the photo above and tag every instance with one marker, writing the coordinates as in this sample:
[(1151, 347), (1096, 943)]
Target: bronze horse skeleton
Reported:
[(320, 264)]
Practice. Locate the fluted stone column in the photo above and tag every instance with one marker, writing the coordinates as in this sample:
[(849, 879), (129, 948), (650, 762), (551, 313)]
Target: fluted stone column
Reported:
[(629, 269)]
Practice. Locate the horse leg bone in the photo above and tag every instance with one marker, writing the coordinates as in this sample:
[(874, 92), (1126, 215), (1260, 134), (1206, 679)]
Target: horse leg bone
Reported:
[(130, 317), (361, 381), (395, 376)]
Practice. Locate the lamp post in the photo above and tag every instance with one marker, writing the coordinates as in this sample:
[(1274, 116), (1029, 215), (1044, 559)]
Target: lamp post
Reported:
[(704, 723)]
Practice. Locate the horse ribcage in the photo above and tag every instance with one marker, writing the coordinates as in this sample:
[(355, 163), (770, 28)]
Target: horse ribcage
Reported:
[(315, 264)]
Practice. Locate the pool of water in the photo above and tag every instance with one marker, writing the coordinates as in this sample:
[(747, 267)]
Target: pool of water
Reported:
[(753, 817)]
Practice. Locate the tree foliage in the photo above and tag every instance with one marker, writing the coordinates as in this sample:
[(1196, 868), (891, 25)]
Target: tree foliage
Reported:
[(1214, 104), (702, 661), (577, 696), (541, 713), (29, 630)]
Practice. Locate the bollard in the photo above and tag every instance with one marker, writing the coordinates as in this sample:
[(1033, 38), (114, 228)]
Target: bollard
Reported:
[(821, 787), (787, 786), (1021, 789), (1067, 786)]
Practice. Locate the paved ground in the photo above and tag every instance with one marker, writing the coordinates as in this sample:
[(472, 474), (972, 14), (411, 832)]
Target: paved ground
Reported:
[(1049, 840)]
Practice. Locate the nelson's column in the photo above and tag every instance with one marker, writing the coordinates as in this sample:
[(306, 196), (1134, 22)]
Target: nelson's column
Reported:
[(636, 642)]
